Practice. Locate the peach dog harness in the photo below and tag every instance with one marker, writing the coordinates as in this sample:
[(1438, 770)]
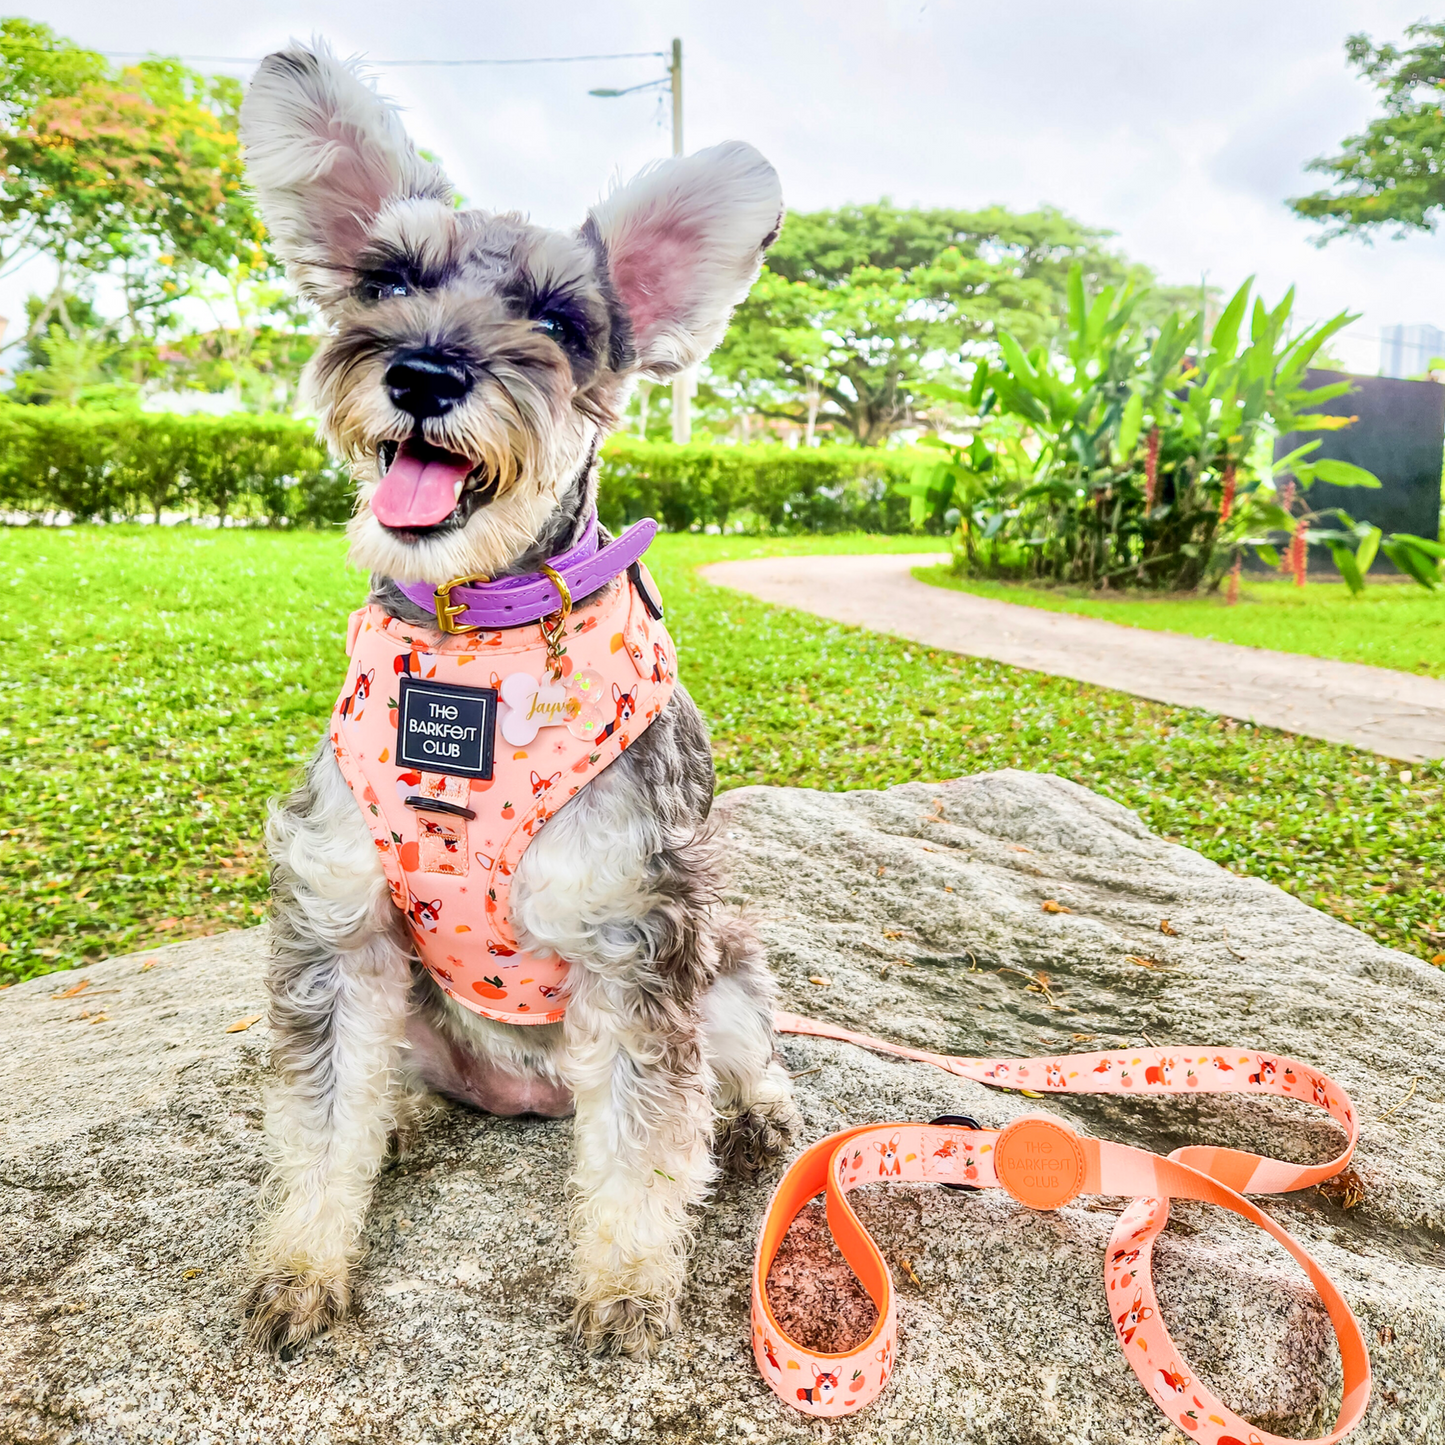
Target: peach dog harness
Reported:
[(460, 746), (1044, 1164)]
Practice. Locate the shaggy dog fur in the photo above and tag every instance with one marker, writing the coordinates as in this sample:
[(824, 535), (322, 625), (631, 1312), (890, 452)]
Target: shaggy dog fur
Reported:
[(667, 1044)]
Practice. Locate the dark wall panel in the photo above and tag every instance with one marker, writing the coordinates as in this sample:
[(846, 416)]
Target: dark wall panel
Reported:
[(1399, 437)]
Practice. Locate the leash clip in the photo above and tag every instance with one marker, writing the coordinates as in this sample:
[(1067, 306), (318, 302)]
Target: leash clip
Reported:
[(447, 611)]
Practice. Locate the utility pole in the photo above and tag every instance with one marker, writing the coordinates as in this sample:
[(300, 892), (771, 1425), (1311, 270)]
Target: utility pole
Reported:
[(675, 72), (684, 385)]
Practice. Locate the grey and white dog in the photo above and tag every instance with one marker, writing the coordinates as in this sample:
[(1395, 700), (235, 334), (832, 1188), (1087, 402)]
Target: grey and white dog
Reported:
[(488, 338)]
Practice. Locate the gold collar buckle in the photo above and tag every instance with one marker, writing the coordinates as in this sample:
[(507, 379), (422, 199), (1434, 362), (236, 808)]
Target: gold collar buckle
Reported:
[(448, 611)]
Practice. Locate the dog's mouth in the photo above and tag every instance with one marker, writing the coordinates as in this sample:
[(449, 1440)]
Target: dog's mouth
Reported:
[(426, 489)]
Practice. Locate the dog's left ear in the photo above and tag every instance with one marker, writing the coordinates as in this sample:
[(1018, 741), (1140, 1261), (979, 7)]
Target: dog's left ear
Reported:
[(683, 243), (326, 155)]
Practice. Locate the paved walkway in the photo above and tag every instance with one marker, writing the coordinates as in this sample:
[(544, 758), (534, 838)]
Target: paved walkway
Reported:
[(1391, 713)]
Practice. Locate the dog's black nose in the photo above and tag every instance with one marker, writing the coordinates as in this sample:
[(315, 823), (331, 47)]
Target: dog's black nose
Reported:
[(425, 384)]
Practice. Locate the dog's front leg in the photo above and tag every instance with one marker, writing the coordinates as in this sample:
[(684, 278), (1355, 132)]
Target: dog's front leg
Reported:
[(338, 987), (623, 897), (643, 1127)]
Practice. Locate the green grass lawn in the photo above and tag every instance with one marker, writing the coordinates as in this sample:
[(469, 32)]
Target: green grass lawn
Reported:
[(1391, 624), (157, 687)]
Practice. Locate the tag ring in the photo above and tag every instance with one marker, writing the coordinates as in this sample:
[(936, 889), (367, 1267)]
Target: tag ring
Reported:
[(553, 633)]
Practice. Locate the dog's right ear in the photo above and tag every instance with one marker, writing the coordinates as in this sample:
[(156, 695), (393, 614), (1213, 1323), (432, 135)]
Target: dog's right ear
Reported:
[(326, 155)]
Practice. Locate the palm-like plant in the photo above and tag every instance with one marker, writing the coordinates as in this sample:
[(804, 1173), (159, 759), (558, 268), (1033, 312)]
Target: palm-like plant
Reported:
[(1142, 457)]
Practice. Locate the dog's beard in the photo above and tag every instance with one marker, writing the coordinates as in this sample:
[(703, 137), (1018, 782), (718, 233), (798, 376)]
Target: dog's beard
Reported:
[(509, 452)]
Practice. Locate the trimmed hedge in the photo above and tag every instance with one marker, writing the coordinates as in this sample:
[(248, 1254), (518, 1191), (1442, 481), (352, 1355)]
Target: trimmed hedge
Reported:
[(103, 465), (99, 465), (761, 488)]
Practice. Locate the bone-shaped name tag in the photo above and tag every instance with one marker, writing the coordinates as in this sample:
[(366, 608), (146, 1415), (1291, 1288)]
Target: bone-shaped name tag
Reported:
[(529, 704)]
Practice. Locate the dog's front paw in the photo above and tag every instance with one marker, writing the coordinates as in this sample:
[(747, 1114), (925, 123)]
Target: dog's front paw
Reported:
[(747, 1143), (632, 1327), (284, 1310)]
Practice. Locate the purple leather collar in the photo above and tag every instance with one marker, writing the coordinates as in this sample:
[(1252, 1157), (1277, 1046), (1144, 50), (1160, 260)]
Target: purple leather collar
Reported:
[(468, 603)]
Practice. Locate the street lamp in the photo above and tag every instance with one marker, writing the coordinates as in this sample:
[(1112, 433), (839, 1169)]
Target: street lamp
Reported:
[(684, 385)]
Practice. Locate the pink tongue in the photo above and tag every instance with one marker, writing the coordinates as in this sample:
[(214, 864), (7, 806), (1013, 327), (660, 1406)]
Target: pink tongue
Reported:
[(418, 492)]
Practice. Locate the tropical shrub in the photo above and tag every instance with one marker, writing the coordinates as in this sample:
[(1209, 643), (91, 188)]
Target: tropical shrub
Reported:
[(1144, 456)]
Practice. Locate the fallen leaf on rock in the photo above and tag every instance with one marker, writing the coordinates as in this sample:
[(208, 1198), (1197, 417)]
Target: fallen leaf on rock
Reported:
[(882, 869), (896, 933), (822, 980), (149, 963), (1052, 905), (191, 1273), (1141, 960), (74, 989), (1346, 1189), (241, 1025), (1167, 928)]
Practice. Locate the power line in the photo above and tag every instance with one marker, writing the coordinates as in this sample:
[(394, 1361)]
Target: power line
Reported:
[(256, 59)]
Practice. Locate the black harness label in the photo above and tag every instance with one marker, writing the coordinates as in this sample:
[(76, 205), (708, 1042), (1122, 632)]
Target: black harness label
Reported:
[(442, 728)]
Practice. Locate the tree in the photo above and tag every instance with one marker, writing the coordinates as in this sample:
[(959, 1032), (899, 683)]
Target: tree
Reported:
[(859, 308), (36, 65), (136, 174), (1393, 174)]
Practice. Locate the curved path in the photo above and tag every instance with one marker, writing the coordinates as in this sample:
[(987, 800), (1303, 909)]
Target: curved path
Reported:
[(1392, 713)]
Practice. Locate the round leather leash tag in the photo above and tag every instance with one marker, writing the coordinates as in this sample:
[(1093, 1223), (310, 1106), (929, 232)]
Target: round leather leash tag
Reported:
[(1040, 1162)]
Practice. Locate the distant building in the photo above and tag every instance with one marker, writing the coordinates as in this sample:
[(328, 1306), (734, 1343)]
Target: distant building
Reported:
[(1409, 350)]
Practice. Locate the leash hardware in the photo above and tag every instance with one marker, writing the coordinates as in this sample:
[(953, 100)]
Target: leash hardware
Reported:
[(959, 1121), (553, 631), (1039, 1161), (447, 611)]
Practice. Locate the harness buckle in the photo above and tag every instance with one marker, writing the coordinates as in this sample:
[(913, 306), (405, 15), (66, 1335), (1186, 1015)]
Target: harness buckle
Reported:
[(447, 611)]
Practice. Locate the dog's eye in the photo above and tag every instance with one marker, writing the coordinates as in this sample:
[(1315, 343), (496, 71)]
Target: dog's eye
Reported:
[(383, 288), (562, 329)]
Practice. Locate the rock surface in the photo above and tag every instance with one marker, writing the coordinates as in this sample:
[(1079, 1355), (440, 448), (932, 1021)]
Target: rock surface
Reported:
[(130, 1132)]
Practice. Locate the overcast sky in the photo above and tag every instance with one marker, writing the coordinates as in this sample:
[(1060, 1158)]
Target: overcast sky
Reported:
[(1182, 128)]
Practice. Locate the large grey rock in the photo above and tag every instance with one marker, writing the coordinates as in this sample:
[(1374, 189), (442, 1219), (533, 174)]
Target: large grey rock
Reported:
[(129, 1157)]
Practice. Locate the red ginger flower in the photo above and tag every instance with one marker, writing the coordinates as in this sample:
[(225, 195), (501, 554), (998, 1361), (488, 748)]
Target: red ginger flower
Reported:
[(1151, 469)]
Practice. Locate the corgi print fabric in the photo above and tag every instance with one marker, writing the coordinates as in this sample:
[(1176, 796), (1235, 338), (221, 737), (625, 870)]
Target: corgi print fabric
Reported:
[(450, 870)]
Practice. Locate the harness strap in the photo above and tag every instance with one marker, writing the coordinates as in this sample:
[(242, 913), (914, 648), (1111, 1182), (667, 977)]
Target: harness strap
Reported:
[(1043, 1163)]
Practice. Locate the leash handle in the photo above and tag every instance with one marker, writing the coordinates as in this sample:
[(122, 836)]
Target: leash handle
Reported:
[(1044, 1164)]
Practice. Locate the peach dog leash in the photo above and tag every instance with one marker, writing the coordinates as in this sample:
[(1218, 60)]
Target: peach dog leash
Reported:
[(1044, 1164)]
